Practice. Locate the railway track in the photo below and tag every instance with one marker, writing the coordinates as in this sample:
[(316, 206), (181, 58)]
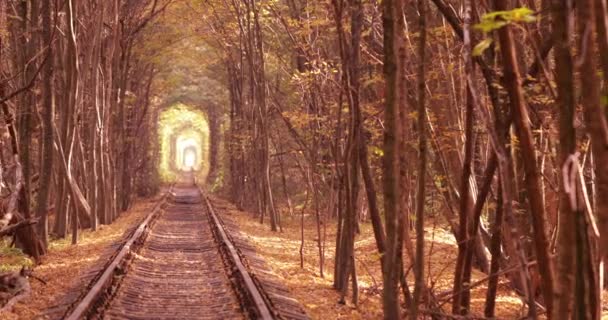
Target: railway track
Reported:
[(182, 262)]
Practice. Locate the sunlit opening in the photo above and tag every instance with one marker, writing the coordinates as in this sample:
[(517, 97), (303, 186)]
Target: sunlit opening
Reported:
[(189, 158), (187, 153), (184, 142)]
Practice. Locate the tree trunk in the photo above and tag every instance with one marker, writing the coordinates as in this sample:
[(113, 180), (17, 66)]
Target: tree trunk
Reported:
[(495, 250), (563, 291), (394, 51), (588, 292), (461, 298), (512, 80), (601, 172), (48, 105), (419, 285)]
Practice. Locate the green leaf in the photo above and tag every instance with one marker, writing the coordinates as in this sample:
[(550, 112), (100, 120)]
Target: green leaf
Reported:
[(487, 26), (522, 14), (495, 20), (481, 47)]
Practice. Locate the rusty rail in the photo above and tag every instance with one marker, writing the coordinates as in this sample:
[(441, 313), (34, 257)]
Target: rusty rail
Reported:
[(81, 310), (262, 309)]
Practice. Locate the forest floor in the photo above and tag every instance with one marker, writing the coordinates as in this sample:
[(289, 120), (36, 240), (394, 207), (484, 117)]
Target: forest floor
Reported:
[(64, 262), (281, 250)]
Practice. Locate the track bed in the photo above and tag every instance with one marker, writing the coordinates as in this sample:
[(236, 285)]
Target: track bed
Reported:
[(183, 262), (178, 273)]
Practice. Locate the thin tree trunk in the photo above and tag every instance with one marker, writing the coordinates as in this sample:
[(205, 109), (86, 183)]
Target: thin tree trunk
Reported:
[(419, 284), (460, 300), (587, 292), (601, 201), (28, 101), (512, 80), (563, 291), (72, 98), (495, 250), (48, 105)]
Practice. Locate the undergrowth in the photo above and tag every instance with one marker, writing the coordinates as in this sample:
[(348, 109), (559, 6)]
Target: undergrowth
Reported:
[(12, 258)]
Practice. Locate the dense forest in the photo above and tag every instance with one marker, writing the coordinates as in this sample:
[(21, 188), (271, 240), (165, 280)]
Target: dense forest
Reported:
[(487, 118)]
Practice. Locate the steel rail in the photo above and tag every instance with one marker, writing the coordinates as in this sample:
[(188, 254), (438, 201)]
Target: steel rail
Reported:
[(83, 307), (254, 292)]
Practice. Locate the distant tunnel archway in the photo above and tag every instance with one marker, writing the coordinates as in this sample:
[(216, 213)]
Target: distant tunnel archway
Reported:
[(185, 140), (188, 153)]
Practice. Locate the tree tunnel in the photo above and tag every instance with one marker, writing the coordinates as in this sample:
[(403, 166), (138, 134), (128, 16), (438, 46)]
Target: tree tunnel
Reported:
[(185, 139)]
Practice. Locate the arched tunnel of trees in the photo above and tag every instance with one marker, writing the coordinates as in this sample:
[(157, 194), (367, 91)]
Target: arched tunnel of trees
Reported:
[(185, 139), (360, 129)]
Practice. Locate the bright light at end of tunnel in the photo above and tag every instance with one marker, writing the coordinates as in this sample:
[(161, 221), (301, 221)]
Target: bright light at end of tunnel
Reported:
[(184, 142), (187, 153), (190, 159)]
